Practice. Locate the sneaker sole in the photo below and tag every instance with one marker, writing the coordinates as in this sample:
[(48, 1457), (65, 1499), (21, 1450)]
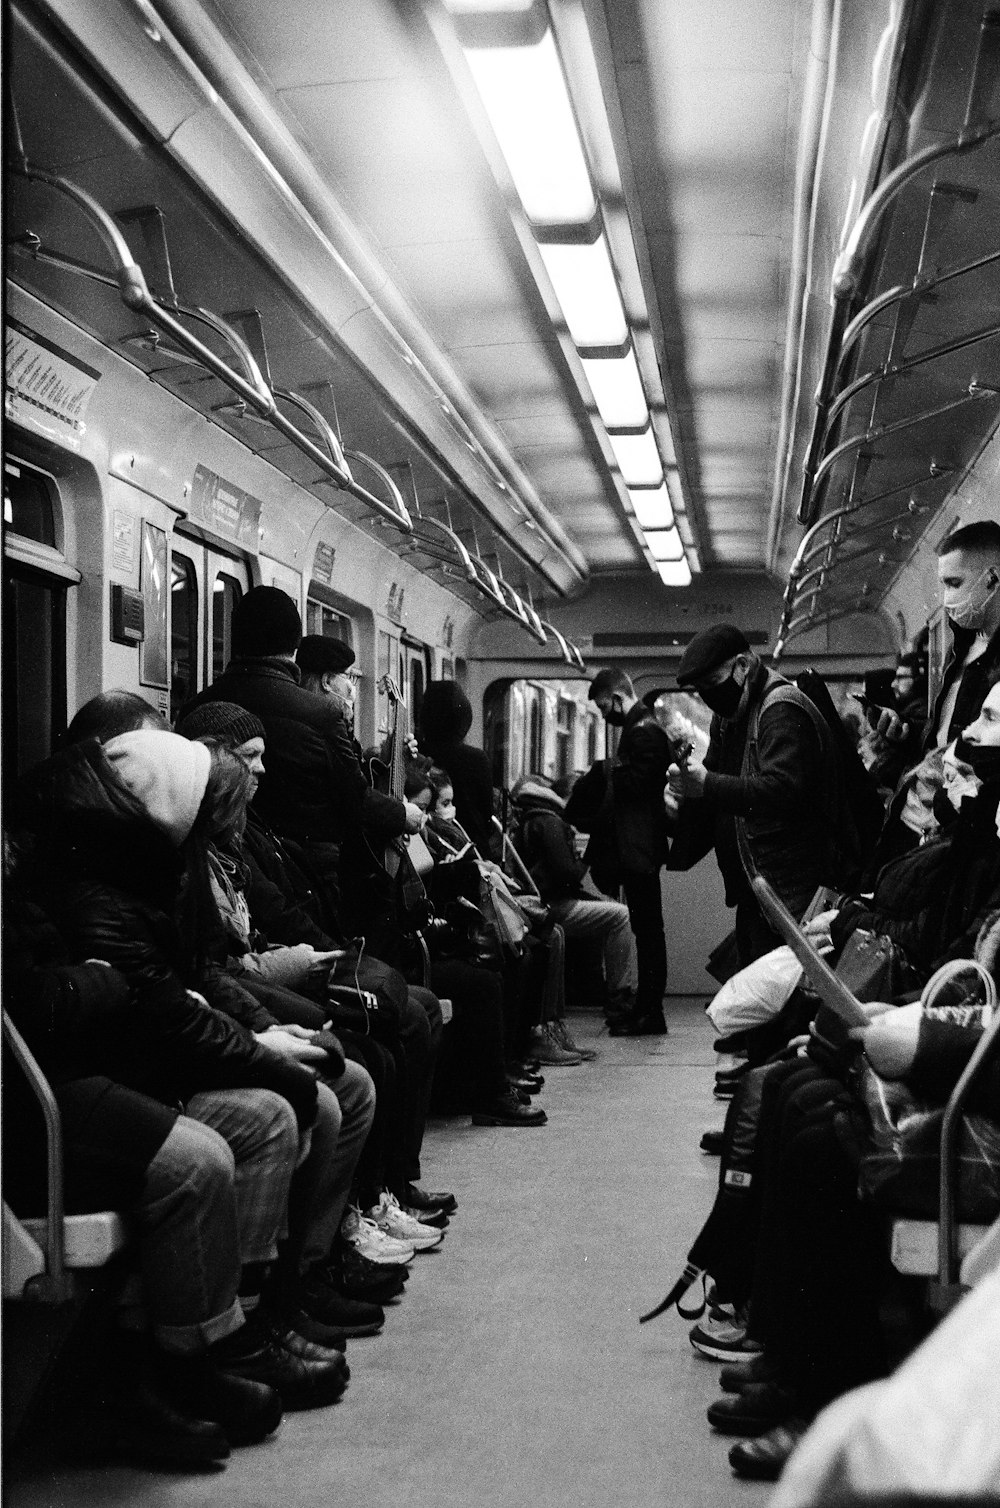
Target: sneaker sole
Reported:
[(718, 1351), (497, 1120), (422, 1243)]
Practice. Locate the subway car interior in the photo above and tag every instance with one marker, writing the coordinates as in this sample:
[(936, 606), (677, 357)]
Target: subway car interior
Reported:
[(518, 343)]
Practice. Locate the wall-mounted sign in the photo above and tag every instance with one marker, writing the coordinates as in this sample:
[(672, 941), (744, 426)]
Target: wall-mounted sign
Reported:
[(323, 564), (47, 389), (224, 508), (155, 596), (123, 545), (394, 602)]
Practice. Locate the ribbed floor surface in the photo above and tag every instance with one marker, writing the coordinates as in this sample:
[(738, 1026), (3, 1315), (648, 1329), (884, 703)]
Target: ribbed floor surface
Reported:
[(515, 1371)]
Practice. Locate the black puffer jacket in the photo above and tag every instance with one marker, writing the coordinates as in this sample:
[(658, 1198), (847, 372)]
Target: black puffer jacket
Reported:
[(314, 789), (111, 882)]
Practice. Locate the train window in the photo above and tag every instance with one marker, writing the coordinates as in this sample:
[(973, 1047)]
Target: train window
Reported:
[(591, 740), (183, 632), (565, 735), (34, 695), (27, 504), (536, 749), (388, 665), (327, 621), (226, 592)]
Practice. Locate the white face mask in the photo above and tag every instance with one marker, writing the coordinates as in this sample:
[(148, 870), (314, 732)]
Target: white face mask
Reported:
[(959, 781), (969, 612)]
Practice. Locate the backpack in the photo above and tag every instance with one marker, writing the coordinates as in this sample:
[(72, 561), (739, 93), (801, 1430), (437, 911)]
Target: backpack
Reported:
[(854, 807)]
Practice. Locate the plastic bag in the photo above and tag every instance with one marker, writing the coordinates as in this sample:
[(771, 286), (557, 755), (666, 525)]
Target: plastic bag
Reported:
[(757, 993)]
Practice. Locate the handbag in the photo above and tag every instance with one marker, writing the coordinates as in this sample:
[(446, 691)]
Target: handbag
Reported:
[(873, 967), (900, 1171), (365, 1013)]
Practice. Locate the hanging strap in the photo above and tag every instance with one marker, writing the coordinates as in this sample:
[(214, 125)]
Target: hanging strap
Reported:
[(690, 1275)]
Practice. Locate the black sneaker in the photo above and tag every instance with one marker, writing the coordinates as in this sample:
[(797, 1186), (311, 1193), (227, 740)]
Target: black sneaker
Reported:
[(320, 1299)]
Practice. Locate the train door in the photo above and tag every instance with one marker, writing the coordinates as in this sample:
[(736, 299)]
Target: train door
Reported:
[(414, 669), (36, 581), (205, 586)]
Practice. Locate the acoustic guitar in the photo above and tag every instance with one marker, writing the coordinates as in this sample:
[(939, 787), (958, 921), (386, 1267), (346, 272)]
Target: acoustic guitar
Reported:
[(407, 858)]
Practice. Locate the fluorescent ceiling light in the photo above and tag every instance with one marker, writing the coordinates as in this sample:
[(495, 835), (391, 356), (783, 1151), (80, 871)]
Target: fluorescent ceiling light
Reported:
[(674, 572), (587, 289), (638, 459), (617, 389), (525, 95), (652, 508), (664, 544)]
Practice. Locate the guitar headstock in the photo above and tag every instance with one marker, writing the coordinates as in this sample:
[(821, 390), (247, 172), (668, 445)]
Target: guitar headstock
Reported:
[(387, 684)]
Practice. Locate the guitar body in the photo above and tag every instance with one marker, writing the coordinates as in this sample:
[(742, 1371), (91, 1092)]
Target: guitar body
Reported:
[(404, 859)]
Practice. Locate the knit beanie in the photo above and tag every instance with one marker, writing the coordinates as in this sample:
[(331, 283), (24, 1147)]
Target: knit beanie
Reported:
[(266, 622), (166, 773), (230, 724), (528, 789), (317, 654)]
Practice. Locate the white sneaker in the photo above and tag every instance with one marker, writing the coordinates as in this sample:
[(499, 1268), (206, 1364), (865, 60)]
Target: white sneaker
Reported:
[(365, 1236), (394, 1221)]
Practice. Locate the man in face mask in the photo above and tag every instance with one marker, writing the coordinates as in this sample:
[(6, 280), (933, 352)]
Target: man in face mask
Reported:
[(766, 765), (629, 840), (969, 584)]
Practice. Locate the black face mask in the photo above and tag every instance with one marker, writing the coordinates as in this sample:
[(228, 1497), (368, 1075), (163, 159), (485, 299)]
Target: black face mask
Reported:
[(615, 716), (984, 759), (724, 698)]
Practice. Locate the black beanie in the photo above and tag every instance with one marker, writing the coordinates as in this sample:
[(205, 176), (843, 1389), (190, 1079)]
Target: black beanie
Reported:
[(266, 622), (230, 724)]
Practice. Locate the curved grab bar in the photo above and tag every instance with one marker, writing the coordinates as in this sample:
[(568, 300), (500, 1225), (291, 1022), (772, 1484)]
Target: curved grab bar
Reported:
[(326, 429), (519, 609), (460, 549), (569, 652), (398, 515)]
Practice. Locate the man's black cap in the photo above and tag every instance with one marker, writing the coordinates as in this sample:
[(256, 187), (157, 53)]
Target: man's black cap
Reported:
[(710, 649), (317, 654)]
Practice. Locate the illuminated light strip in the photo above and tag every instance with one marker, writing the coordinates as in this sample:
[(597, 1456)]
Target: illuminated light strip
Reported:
[(653, 508), (617, 389), (526, 99), (664, 544), (638, 459), (587, 289), (525, 95), (674, 572)]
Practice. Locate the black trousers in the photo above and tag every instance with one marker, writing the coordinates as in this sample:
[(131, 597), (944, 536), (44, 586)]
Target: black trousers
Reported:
[(645, 915), (470, 1071)]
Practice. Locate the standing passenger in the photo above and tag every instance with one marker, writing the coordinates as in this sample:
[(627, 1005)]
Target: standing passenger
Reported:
[(445, 719), (629, 842)]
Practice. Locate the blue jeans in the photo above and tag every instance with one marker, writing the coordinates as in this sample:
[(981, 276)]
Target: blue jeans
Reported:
[(214, 1196), (322, 1184)]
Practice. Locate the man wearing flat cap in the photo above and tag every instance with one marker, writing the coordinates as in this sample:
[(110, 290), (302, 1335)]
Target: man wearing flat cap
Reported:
[(767, 764)]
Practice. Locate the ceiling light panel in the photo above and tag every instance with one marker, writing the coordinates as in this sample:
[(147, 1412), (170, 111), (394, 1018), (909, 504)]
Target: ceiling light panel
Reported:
[(587, 290), (638, 459), (524, 92), (652, 507), (617, 389), (674, 572), (664, 544)]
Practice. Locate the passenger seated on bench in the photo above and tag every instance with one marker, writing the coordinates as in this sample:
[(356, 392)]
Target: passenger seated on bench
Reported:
[(284, 908), (119, 836), (544, 841)]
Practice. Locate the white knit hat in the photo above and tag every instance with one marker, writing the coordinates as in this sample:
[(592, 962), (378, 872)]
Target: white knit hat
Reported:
[(166, 773)]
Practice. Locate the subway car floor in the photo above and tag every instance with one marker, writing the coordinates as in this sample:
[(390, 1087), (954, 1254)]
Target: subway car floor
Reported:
[(515, 1371)]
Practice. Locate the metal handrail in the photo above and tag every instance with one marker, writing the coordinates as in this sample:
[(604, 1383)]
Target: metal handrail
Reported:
[(56, 1286), (846, 278), (787, 631), (569, 651), (327, 432), (950, 1128), (880, 431), (527, 619), (841, 539), (252, 389)]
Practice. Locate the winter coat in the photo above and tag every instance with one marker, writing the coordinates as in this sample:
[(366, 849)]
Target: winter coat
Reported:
[(780, 795), (445, 719), (975, 683), (933, 900), (112, 884), (314, 789), (545, 843), (628, 831)]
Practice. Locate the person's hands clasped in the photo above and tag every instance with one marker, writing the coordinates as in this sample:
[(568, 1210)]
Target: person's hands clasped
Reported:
[(293, 1041)]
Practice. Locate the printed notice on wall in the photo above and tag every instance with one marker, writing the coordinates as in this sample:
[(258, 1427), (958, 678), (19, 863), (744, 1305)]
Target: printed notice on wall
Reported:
[(47, 389), (123, 548), (225, 508)]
